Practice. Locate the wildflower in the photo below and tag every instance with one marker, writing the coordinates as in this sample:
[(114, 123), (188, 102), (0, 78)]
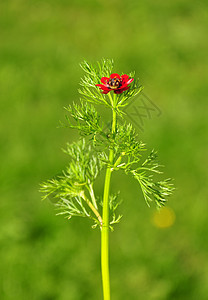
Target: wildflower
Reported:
[(115, 83)]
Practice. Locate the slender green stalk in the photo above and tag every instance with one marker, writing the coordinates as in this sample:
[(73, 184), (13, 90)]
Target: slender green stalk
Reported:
[(92, 207), (105, 227), (73, 191), (92, 195)]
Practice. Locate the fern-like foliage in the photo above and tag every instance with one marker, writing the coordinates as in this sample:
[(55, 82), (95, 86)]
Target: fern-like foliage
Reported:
[(72, 192), (125, 98), (152, 189), (86, 118), (130, 152), (126, 142), (85, 162), (93, 74)]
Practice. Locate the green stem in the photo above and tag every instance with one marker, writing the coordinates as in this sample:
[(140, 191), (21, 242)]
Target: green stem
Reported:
[(92, 195), (105, 227), (91, 206)]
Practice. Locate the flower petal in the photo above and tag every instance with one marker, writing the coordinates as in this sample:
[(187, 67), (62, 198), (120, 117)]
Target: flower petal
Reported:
[(115, 75), (121, 90), (124, 78), (102, 86), (104, 80), (130, 80), (125, 84), (106, 91), (122, 86)]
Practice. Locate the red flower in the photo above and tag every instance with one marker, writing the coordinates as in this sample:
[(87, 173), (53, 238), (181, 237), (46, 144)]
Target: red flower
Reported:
[(115, 83)]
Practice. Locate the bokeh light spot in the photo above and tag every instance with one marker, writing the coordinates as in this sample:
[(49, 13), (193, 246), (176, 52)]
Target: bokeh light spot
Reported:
[(163, 218)]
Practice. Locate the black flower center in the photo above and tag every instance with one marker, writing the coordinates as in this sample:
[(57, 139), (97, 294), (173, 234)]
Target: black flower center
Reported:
[(114, 83)]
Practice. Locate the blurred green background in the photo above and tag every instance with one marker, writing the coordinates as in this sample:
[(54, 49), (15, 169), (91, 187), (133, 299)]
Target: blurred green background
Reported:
[(41, 44)]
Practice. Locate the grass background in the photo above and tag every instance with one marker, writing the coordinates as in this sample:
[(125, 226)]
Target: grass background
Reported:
[(41, 44)]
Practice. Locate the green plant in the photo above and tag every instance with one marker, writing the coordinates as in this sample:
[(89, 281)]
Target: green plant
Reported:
[(102, 149)]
